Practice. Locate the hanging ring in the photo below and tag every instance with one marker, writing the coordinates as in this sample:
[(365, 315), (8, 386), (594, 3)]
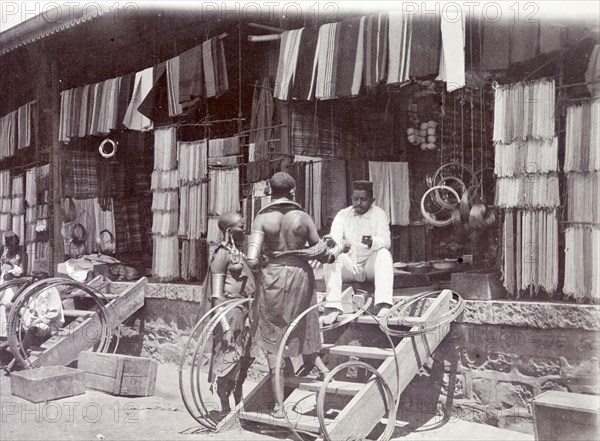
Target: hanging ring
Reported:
[(108, 154)]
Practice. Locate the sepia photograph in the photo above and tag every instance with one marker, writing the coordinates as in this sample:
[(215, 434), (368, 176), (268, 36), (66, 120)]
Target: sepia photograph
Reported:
[(300, 220)]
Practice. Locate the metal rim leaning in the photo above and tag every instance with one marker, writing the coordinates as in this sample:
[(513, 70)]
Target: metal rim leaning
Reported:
[(203, 341), (392, 409), (400, 308), (204, 417), (182, 366), (14, 336), (428, 218), (279, 359)]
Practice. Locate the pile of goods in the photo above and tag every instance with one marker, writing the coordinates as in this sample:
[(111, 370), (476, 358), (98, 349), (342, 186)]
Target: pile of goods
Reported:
[(425, 135)]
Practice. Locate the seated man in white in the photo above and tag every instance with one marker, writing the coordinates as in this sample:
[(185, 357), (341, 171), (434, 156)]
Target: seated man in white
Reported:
[(362, 231)]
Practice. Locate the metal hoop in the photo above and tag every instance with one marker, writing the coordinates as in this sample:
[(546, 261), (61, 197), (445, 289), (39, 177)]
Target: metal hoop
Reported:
[(428, 218), (103, 152)]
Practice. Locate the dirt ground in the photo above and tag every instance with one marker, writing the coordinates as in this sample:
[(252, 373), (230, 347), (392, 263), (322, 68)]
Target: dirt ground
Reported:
[(97, 416)]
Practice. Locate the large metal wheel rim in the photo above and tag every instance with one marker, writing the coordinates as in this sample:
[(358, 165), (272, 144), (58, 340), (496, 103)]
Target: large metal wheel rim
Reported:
[(428, 218), (37, 288), (279, 359)]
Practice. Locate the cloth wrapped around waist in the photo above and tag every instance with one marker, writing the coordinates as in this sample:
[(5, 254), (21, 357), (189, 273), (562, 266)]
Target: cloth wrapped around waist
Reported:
[(299, 257)]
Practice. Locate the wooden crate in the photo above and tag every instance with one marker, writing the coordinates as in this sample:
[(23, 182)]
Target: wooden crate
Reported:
[(47, 383), (119, 374), (563, 415)]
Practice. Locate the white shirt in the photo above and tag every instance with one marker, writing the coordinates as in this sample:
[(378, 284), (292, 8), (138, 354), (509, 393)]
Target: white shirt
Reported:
[(350, 226)]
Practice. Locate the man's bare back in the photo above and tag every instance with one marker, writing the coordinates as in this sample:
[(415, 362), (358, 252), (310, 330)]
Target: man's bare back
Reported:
[(287, 232)]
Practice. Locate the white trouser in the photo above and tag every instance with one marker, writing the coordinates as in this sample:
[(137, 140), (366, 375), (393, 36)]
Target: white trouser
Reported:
[(378, 267), (5, 300)]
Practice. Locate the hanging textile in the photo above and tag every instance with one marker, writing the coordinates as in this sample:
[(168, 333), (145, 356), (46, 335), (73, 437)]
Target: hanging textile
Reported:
[(582, 148), (326, 61), (18, 207), (131, 227), (524, 40), (425, 45), (582, 263), (193, 188), (80, 175), (24, 126), (304, 77), (400, 35), (452, 58), (165, 206), (391, 190), (262, 121), (256, 198), (216, 81), (533, 156), (334, 190), (8, 134), (223, 196), (526, 156), (155, 105), (133, 119), (592, 74), (30, 214), (173, 87), (286, 66), (524, 111), (5, 201), (582, 238), (530, 251), (194, 259), (191, 77), (313, 187), (375, 42), (350, 57)]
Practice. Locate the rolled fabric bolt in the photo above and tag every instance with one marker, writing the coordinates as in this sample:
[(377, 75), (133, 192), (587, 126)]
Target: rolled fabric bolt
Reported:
[(430, 146), (423, 126), (423, 132), (423, 146), (431, 131), (410, 131), (433, 124), (432, 139), (412, 139)]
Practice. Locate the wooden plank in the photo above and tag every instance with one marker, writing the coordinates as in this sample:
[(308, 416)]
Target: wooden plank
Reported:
[(77, 313), (93, 364), (367, 408), (360, 351), (87, 334), (104, 383), (260, 394), (334, 387)]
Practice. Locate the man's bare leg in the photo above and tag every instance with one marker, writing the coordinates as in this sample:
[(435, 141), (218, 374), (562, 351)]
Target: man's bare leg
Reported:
[(277, 391)]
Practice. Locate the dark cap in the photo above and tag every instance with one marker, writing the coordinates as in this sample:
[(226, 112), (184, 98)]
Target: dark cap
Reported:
[(363, 185), (282, 182)]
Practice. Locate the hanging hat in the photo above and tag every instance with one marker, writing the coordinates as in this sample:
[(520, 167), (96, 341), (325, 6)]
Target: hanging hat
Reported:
[(363, 185)]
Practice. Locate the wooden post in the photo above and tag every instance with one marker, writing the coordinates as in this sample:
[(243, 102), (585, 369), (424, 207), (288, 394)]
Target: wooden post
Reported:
[(57, 251)]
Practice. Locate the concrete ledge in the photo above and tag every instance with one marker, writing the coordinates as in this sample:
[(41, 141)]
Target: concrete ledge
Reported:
[(541, 315)]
